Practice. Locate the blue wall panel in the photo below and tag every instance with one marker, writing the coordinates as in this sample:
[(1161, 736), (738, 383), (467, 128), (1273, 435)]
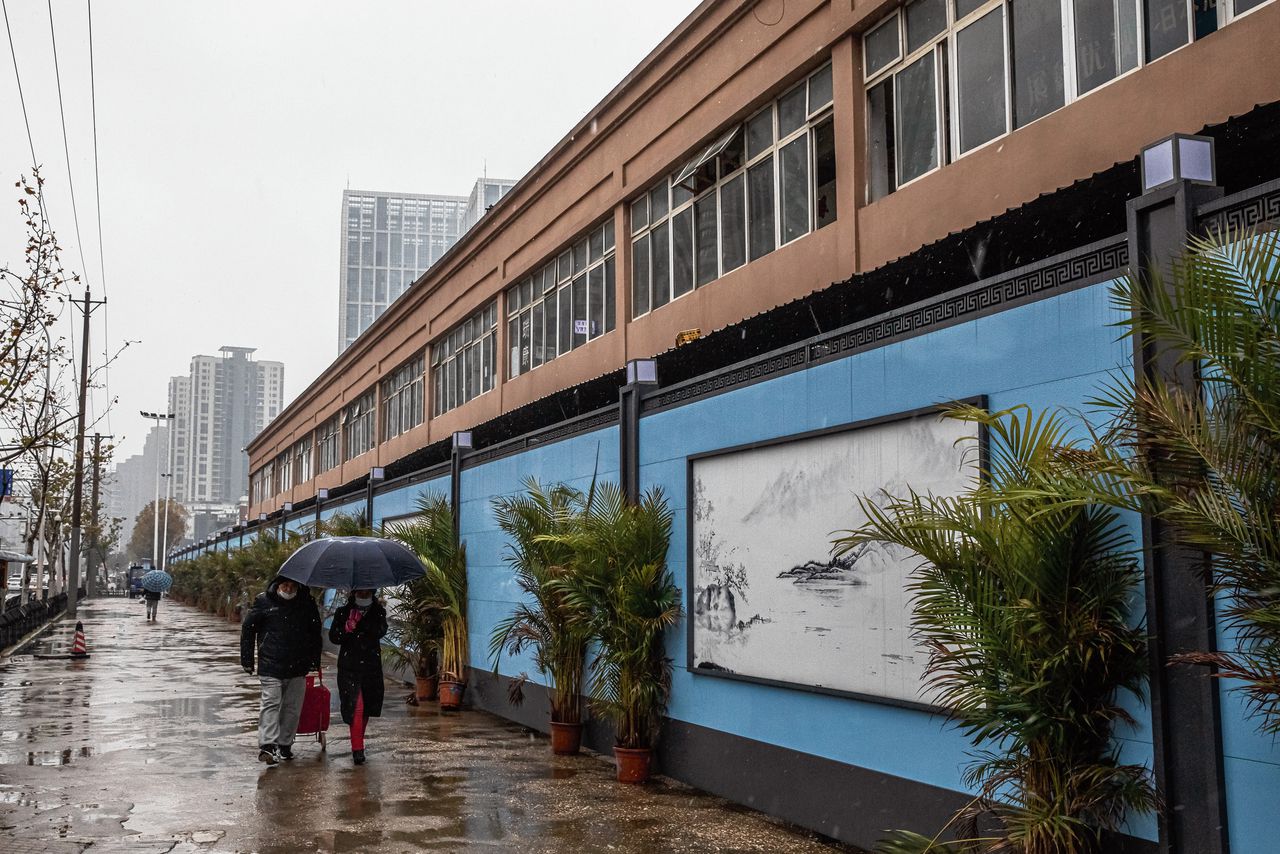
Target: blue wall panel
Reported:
[(493, 591)]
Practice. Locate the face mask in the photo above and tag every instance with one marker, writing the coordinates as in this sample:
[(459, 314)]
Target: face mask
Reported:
[(285, 596), (364, 601)]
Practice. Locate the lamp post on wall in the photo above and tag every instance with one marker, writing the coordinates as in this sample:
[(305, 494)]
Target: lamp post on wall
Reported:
[(285, 510), (1178, 175), (641, 374), (377, 474), (322, 495), (461, 444)]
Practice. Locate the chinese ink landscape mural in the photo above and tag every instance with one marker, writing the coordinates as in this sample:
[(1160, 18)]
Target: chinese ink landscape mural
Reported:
[(770, 601)]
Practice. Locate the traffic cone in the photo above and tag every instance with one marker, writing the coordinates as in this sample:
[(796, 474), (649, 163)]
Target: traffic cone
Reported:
[(78, 649)]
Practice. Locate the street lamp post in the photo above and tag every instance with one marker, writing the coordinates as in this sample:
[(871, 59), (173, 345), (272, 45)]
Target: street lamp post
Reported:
[(155, 525)]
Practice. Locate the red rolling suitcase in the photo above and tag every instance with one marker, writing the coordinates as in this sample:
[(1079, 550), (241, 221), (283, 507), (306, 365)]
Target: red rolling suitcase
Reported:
[(315, 709)]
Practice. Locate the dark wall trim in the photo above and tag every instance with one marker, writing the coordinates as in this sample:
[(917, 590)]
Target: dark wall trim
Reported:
[(1256, 207), (1079, 268), (603, 417)]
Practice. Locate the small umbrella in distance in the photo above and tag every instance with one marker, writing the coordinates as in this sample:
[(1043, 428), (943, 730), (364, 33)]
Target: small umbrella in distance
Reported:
[(157, 581), (352, 563)]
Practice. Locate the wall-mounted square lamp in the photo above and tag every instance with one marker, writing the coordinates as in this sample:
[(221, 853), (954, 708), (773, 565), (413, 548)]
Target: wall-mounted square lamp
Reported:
[(262, 517), (287, 506), (642, 371), (462, 441), (322, 494), (1180, 157), (377, 473)]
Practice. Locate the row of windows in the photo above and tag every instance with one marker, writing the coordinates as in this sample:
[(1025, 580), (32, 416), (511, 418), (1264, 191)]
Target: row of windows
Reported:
[(395, 214), (402, 398), (568, 302), (357, 426), (761, 185), (464, 363), (947, 76)]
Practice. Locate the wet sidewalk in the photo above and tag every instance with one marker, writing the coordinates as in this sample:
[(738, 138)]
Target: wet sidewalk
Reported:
[(149, 746)]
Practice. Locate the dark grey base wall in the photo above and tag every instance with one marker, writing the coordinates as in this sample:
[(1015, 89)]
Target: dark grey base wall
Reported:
[(842, 801)]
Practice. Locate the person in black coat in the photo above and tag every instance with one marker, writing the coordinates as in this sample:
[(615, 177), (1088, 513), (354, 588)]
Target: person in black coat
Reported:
[(283, 629), (357, 629)]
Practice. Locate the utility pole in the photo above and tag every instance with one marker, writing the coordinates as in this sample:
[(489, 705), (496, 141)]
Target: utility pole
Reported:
[(77, 495), (91, 581)]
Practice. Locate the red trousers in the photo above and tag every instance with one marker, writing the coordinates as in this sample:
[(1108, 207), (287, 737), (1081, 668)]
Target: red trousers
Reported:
[(358, 722)]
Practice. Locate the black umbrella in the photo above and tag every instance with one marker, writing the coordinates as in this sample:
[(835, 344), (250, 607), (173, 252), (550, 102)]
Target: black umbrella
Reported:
[(352, 563)]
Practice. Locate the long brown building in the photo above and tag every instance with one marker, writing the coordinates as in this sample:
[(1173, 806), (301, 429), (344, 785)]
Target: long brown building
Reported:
[(851, 211)]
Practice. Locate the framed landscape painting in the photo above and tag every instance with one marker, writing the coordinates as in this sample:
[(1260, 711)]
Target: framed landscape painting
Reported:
[(768, 601)]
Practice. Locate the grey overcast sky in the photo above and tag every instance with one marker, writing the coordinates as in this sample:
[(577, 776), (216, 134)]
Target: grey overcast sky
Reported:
[(228, 130)]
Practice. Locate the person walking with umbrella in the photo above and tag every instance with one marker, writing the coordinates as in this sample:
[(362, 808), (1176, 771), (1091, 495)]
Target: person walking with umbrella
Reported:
[(357, 629), (361, 565), (283, 629), (154, 585)]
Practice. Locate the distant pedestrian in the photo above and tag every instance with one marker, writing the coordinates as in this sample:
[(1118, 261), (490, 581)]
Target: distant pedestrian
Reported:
[(283, 628), (153, 603), (357, 629)]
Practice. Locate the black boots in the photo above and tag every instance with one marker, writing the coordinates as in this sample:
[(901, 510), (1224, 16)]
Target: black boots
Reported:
[(357, 756)]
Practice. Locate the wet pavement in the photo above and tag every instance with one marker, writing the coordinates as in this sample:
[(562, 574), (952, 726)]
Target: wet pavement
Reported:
[(149, 746)]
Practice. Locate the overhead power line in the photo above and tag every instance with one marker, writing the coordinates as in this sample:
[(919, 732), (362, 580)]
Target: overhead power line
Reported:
[(21, 99), (97, 192), (71, 184)]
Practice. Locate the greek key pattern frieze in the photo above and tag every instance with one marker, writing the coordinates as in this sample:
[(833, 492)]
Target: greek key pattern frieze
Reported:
[(1261, 211), (1099, 261), (738, 376)]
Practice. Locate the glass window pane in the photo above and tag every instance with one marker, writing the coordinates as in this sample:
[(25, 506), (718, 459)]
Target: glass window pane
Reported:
[(925, 19), (513, 347), (1096, 46), (596, 246), (733, 224), (1243, 6), (916, 114), (682, 253), (819, 90), (1206, 17), (579, 311), (380, 287), (880, 161), (1166, 26), (579, 257), (734, 154), (760, 209), (760, 133), (980, 80), (1127, 16), (536, 355), (565, 308), (639, 214), (1035, 38), (549, 350), (881, 48), (681, 193), (565, 266), (660, 264), (965, 7), (705, 238), (610, 295), (640, 276), (608, 236), (793, 160), (824, 174), (791, 111), (595, 302), (658, 202), (380, 254)]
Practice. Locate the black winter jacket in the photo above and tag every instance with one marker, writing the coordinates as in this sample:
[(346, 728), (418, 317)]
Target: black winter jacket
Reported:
[(360, 659), (285, 634)]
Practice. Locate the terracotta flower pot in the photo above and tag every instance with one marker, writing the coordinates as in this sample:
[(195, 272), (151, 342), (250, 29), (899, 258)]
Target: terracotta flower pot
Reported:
[(566, 739), (633, 764), (451, 694), (425, 687)]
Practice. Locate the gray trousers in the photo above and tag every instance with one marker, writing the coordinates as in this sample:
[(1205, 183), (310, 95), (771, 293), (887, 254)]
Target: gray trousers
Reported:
[(152, 605), (281, 706)]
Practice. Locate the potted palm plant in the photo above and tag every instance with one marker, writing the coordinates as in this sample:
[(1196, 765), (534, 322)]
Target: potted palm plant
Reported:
[(626, 599), (545, 623), (443, 589), (416, 637), (1023, 602)]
